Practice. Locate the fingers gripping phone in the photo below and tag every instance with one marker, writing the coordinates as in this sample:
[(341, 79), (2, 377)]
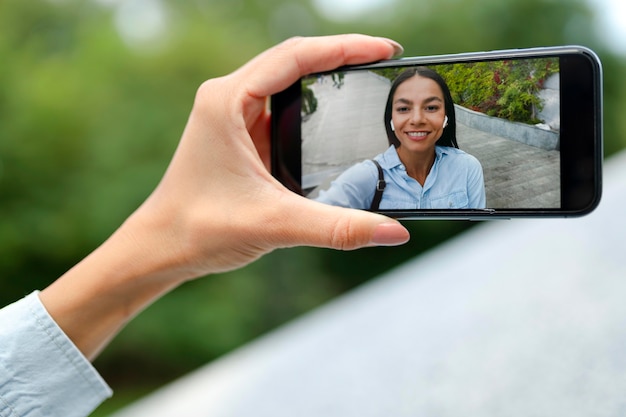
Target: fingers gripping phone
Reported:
[(501, 134)]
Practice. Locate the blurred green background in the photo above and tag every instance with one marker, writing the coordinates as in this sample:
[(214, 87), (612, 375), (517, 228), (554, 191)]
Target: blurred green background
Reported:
[(94, 96)]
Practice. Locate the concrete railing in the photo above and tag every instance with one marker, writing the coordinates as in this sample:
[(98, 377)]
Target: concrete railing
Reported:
[(511, 329), (520, 132)]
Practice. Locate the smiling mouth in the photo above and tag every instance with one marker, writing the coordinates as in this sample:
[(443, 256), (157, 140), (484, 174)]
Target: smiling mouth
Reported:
[(417, 135)]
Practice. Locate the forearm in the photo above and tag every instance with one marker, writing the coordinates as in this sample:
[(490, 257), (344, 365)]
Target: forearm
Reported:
[(98, 296)]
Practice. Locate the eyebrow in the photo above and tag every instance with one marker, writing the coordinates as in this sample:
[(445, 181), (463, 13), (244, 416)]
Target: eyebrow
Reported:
[(425, 101)]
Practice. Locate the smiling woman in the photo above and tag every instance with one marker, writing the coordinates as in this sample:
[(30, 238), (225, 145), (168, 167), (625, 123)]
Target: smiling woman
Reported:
[(422, 168)]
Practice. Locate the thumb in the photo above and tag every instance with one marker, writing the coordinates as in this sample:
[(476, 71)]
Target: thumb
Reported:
[(312, 223)]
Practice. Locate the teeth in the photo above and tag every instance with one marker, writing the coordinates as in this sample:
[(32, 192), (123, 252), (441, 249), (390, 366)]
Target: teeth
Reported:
[(417, 134)]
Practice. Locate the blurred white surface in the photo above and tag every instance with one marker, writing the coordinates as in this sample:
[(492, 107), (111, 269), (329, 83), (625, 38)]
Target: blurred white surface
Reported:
[(514, 318)]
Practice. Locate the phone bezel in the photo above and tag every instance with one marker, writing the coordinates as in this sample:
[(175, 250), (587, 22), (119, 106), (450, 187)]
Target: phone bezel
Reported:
[(581, 125)]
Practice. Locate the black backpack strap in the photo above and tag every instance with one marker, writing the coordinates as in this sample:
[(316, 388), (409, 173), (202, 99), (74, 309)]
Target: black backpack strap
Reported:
[(380, 187)]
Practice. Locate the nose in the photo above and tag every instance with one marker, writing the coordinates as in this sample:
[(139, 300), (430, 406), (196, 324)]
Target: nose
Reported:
[(416, 116)]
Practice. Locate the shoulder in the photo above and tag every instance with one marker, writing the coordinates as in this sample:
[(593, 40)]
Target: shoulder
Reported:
[(358, 177), (362, 168), (352, 188), (452, 152), (457, 156)]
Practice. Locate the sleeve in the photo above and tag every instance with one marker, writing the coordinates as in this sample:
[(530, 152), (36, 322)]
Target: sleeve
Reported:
[(42, 373), (354, 188)]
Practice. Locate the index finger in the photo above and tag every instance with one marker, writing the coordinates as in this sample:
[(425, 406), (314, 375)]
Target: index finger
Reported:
[(279, 67)]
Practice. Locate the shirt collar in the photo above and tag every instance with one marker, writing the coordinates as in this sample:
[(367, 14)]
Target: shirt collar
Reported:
[(390, 159)]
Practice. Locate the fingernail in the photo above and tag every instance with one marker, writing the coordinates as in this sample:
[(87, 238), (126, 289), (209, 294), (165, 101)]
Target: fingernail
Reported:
[(389, 234), (397, 48)]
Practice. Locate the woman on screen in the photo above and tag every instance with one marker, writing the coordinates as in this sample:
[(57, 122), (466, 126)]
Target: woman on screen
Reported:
[(423, 167)]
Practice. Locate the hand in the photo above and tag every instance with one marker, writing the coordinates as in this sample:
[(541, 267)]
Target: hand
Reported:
[(221, 206), (217, 207)]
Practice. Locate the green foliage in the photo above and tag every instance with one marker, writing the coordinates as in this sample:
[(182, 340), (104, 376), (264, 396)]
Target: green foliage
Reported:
[(309, 101), (88, 124), (505, 89)]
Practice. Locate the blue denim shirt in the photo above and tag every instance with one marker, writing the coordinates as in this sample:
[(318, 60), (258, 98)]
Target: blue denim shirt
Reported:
[(455, 181), (42, 373)]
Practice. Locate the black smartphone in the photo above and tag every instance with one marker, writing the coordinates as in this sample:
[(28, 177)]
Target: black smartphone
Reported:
[(500, 134)]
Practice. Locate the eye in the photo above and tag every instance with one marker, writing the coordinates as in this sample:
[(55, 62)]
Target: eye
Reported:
[(432, 108), (402, 109)]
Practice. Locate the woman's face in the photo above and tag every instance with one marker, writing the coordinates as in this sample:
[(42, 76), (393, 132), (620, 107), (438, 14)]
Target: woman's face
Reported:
[(418, 114)]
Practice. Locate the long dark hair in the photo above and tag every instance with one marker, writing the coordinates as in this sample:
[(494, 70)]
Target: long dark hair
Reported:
[(448, 137)]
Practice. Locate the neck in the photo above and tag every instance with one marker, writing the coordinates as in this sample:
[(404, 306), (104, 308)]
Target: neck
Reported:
[(417, 165)]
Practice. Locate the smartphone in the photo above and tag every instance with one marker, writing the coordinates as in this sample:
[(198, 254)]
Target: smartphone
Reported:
[(480, 135)]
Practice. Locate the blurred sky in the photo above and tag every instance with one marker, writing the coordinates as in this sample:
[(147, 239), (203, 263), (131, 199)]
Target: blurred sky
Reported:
[(141, 22), (610, 22)]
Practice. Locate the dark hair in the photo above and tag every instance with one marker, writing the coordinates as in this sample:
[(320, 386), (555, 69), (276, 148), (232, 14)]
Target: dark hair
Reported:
[(448, 137)]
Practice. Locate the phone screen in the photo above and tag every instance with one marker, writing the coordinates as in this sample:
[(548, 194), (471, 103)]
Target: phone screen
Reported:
[(508, 135)]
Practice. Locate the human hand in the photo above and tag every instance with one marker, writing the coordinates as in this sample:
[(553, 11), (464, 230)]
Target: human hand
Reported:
[(218, 202)]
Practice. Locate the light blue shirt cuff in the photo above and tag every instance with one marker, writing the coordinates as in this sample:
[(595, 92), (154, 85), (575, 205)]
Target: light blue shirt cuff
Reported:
[(42, 373)]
